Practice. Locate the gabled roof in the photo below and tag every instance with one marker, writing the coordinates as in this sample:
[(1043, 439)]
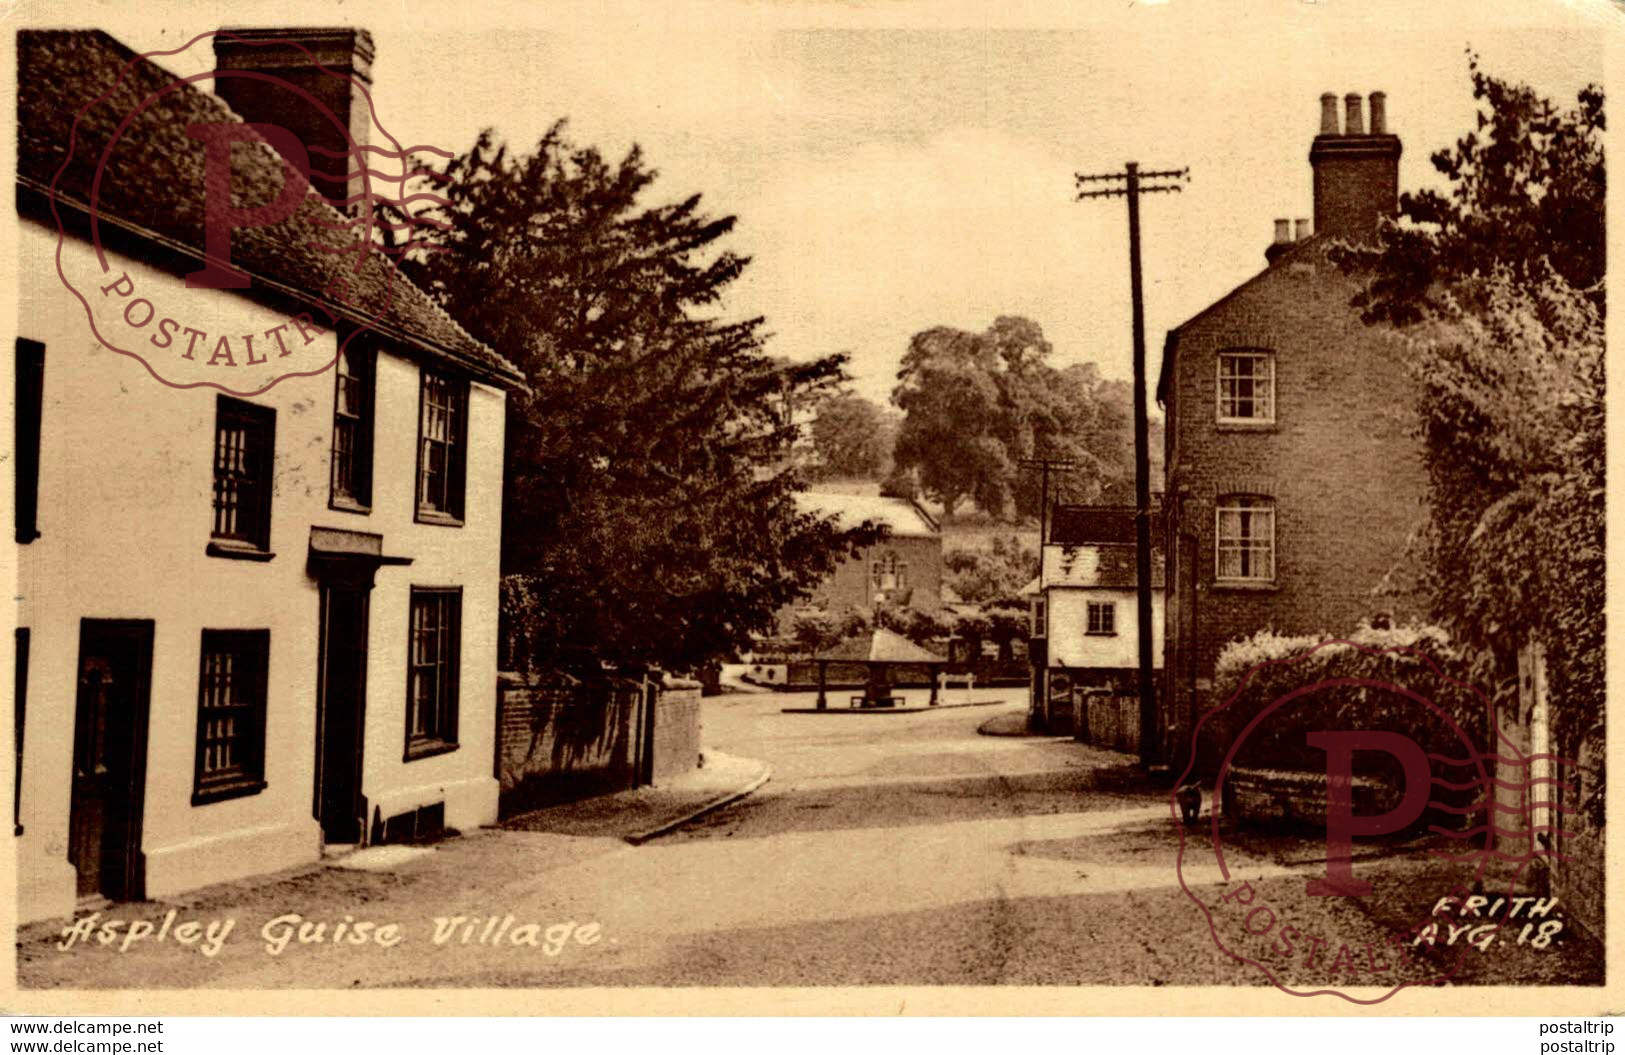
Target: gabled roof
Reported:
[(1078, 525), (1170, 344), (152, 189), (1106, 565), (880, 646), (905, 518)]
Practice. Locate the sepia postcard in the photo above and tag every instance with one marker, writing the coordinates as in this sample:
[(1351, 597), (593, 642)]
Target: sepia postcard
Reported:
[(809, 508)]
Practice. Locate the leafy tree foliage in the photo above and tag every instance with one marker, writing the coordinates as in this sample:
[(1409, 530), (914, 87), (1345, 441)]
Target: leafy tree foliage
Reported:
[(980, 576), (1526, 194), (975, 404), (1500, 282), (850, 438), (1512, 422), (646, 511)]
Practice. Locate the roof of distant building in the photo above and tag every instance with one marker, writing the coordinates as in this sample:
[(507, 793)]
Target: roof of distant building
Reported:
[(880, 646), (1103, 565), (904, 517), (1078, 525), (152, 189)]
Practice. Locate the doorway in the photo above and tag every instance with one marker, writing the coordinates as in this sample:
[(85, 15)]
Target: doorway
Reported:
[(110, 757), (341, 712)]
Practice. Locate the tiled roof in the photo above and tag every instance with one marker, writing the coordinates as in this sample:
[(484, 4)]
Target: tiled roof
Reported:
[(1105, 565), (880, 646), (903, 517), (153, 187), (1076, 525)]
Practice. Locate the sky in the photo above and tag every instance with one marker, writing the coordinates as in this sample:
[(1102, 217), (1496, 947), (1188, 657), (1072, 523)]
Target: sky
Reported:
[(898, 166)]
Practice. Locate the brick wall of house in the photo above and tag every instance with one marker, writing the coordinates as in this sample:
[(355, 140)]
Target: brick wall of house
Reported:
[(851, 584), (1340, 462)]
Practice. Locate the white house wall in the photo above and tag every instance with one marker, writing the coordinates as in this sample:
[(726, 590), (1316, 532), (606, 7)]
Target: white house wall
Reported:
[(1070, 646), (125, 508)]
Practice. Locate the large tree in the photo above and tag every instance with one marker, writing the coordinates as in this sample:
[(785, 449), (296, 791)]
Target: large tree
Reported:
[(1525, 193), (850, 438), (976, 404), (648, 518)]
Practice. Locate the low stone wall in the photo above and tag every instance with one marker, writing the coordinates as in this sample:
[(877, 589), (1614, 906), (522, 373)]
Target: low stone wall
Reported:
[(561, 738), (1267, 798)]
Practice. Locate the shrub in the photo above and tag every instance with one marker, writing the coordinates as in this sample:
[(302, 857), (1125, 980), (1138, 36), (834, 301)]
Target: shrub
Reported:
[(1255, 672)]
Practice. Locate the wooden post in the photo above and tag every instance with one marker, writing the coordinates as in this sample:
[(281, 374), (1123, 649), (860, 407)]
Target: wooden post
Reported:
[(936, 680), (823, 701)]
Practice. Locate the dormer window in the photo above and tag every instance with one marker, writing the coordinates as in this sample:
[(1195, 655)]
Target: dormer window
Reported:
[(1246, 387)]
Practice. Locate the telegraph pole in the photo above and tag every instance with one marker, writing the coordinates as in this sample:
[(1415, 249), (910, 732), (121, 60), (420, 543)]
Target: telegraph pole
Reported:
[(1128, 184), (1044, 465)]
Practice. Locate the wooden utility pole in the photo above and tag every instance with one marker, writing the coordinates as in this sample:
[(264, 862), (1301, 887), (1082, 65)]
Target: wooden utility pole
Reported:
[(1169, 181), (1044, 465)]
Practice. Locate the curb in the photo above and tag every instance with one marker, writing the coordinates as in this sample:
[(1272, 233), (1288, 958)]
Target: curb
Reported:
[(987, 728), (639, 838)]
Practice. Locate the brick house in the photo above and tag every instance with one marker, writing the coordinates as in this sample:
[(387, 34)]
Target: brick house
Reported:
[(253, 626), (1294, 483), (904, 570), (1085, 622)]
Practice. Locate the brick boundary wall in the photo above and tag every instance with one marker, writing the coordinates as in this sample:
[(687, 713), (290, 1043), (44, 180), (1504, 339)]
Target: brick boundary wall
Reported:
[(561, 739)]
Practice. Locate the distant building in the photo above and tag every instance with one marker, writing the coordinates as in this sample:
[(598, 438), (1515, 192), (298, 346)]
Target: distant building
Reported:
[(1294, 479), (905, 570), (1085, 612)]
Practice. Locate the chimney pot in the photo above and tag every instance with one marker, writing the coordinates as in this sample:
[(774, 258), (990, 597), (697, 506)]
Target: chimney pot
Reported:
[(1283, 232), (1352, 123), (1328, 114), (1302, 231), (1379, 113)]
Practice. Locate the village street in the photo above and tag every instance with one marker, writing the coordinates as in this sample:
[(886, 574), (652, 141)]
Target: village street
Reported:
[(886, 849)]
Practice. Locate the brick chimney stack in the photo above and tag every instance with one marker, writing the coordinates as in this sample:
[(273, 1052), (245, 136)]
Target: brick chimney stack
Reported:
[(291, 57), (1356, 172)]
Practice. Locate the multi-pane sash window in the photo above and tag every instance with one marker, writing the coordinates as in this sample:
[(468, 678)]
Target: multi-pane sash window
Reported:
[(1040, 627), (244, 441), (1246, 386), (231, 714), (431, 677), (352, 428), (1102, 617), (1246, 539), (442, 428)]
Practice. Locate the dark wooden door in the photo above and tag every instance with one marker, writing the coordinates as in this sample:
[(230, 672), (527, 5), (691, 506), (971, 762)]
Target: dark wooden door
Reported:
[(342, 703), (109, 757)]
